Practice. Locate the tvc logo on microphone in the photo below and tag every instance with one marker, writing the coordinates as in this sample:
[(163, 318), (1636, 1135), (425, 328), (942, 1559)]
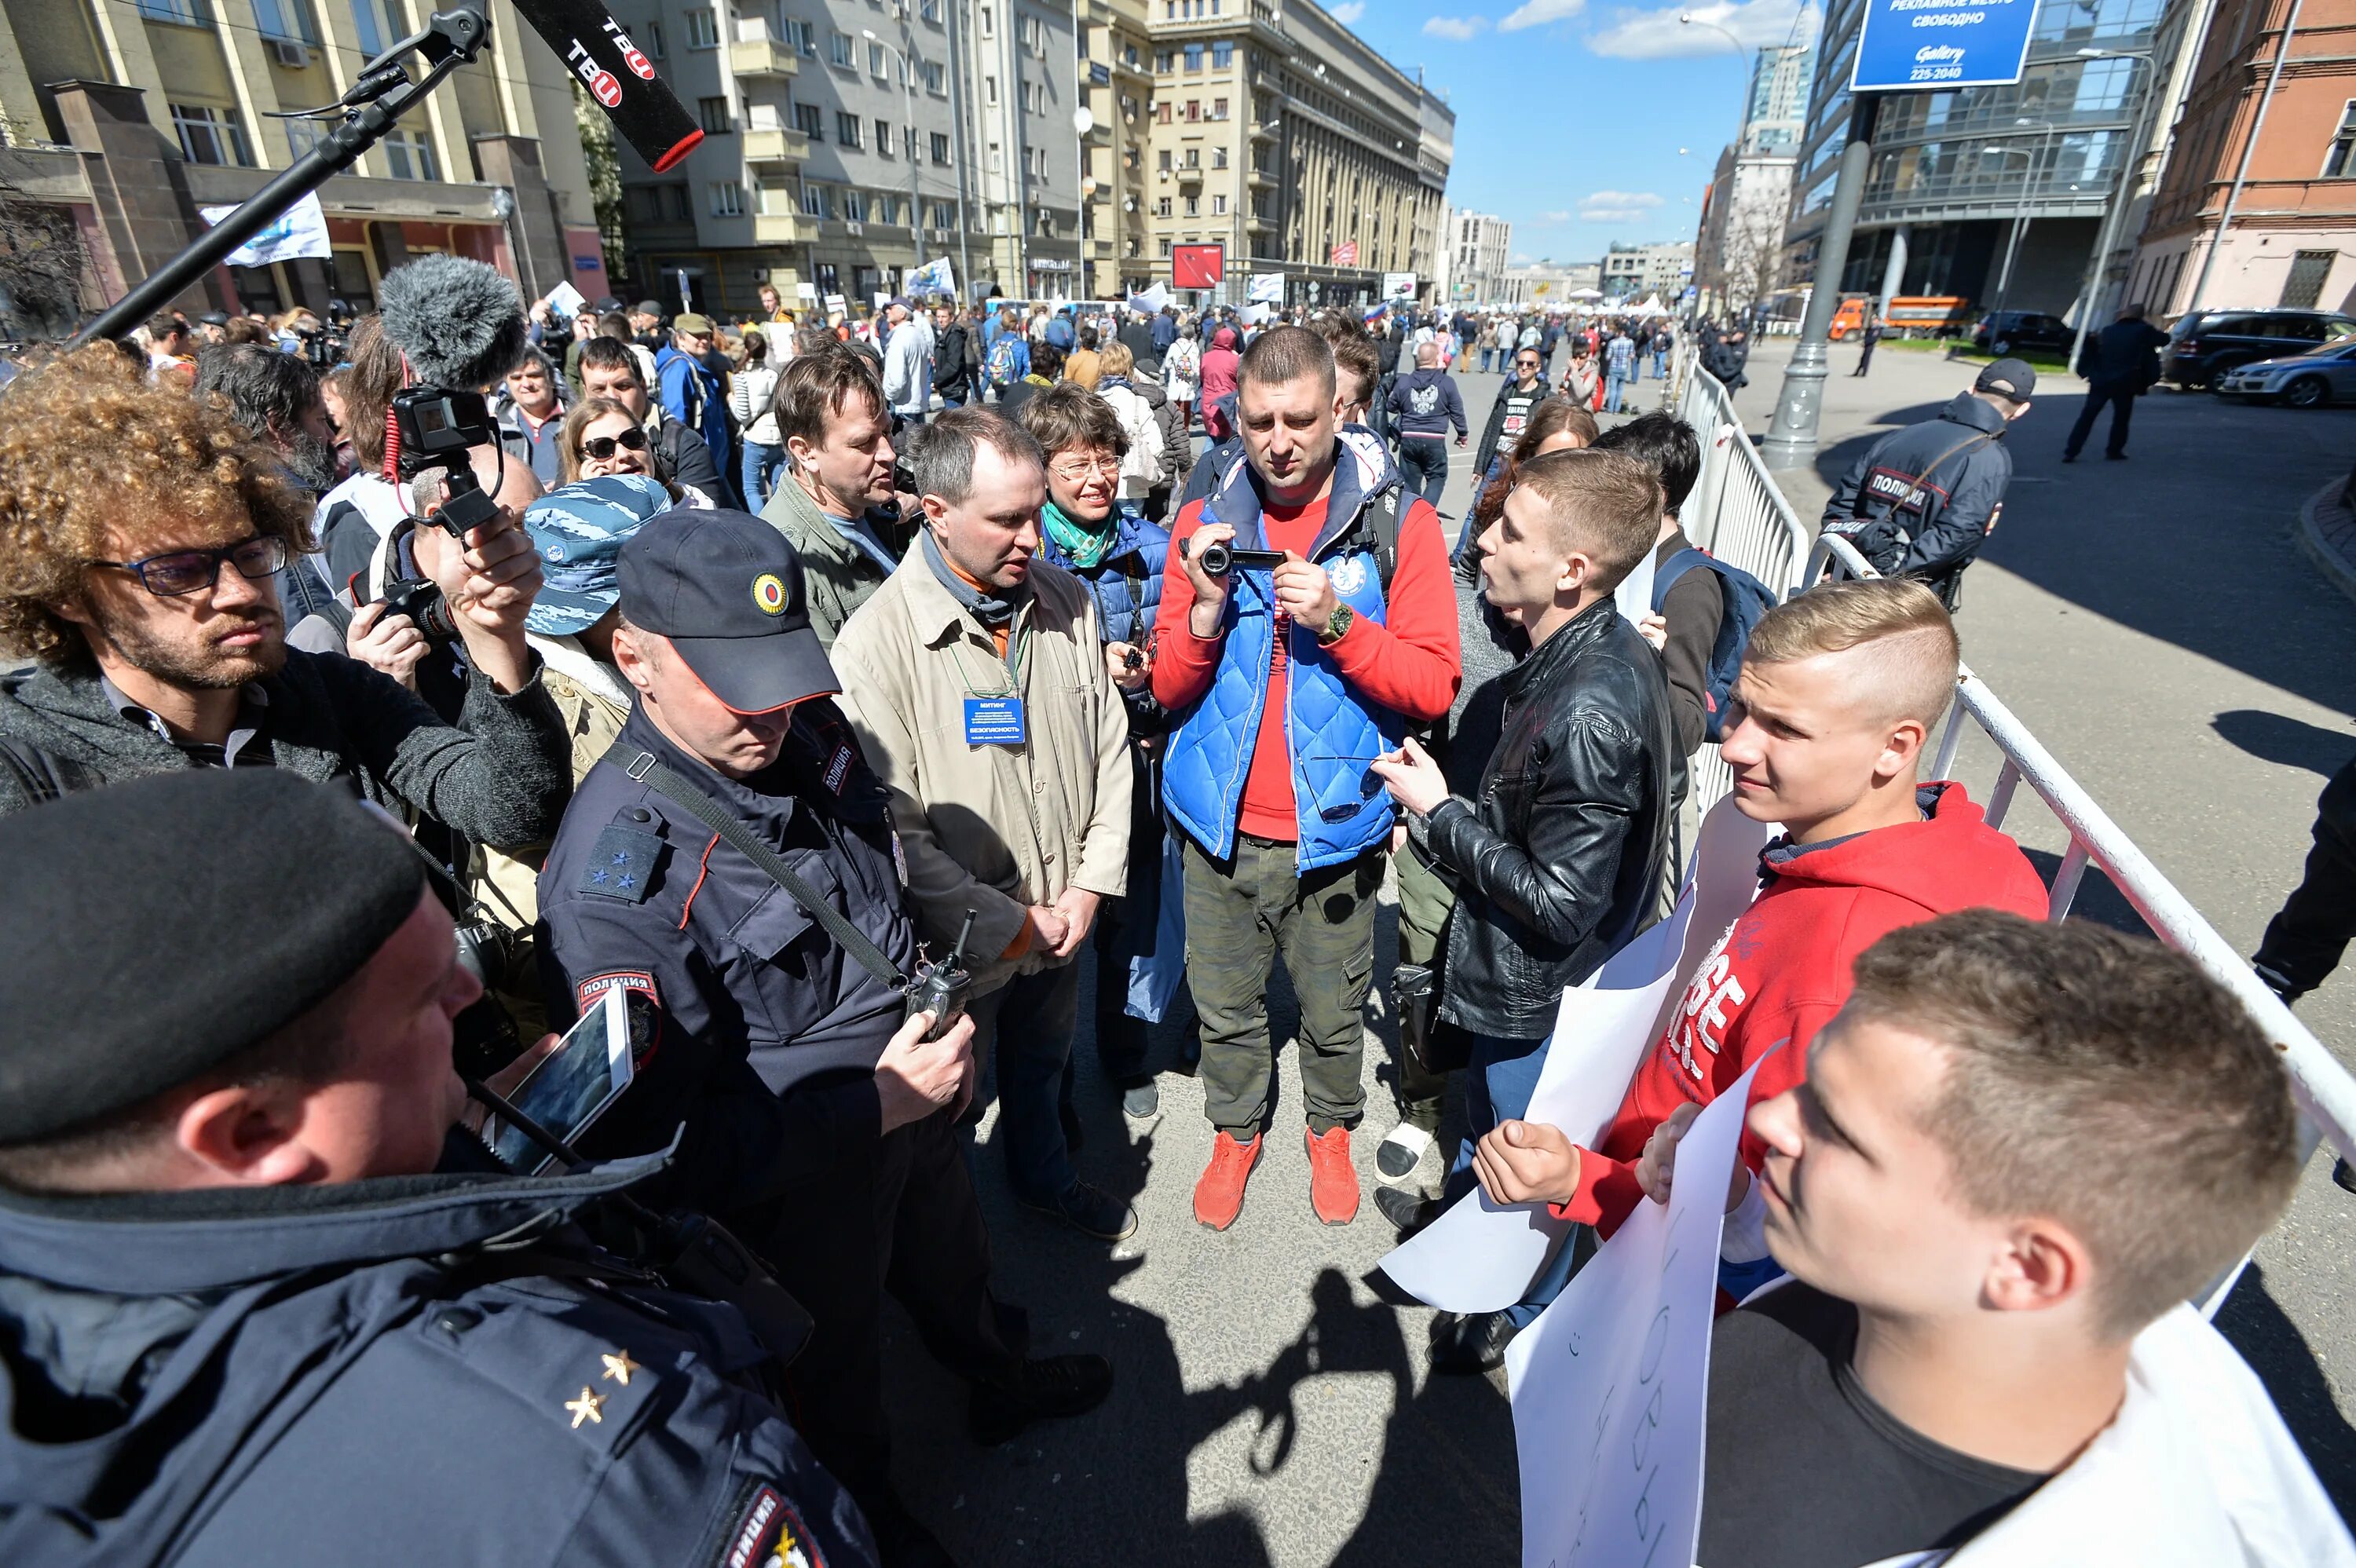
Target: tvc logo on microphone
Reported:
[(602, 84)]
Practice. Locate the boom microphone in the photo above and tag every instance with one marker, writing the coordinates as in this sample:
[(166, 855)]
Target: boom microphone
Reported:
[(619, 75), (459, 323)]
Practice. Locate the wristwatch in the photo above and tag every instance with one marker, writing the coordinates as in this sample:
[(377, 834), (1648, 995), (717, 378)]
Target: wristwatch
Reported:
[(1336, 625)]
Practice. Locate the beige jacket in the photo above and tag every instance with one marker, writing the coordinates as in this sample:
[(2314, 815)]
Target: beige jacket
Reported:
[(990, 828)]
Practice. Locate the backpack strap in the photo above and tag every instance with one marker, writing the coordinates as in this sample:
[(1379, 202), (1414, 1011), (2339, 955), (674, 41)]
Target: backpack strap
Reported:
[(1676, 566), (42, 777)]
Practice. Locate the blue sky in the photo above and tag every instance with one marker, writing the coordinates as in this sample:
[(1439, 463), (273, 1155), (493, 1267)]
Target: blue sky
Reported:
[(1583, 122)]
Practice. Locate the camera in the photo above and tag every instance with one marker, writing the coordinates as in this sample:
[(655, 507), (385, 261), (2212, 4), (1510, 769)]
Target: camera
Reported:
[(325, 348), (483, 1038), (437, 428), (423, 603), (1219, 560)]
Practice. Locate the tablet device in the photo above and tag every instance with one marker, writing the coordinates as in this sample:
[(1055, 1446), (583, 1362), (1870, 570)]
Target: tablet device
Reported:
[(570, 1088)]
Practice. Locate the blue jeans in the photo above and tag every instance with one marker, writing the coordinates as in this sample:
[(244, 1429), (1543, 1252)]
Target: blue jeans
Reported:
[(1469, 532), (1030, 1020), (761, 466), (1423, 463), (1613, 386), (1660, 364), (1486, 355), (1497, 1089)]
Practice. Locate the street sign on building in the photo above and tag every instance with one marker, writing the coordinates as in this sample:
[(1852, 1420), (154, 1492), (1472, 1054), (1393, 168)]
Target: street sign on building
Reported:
[(1197, 266), (1932, 45), (1346, 254)]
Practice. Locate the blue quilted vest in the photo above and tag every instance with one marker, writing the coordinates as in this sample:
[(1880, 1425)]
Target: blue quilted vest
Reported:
[(1331, 732)]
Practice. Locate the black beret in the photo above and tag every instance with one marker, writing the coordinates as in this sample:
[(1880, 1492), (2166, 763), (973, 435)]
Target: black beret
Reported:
[(154, 929)]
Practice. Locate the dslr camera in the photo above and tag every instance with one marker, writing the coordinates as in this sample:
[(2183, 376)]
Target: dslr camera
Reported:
[(437, 428)]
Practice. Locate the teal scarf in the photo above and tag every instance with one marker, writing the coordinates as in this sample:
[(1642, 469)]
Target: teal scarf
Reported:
[(1082, 547)]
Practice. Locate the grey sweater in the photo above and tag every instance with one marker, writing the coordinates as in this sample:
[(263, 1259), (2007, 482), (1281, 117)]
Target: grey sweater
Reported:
[(1488, 647), (500, 777)]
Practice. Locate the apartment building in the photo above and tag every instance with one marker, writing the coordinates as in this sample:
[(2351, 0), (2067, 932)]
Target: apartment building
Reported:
[(1633, 273), (1115, 64), (1023, 87), (1473, 250), (1279, 134), (126, 117)]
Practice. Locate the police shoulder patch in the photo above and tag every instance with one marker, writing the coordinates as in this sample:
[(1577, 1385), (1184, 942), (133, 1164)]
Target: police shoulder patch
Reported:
[(621, 864), (769, 1533)]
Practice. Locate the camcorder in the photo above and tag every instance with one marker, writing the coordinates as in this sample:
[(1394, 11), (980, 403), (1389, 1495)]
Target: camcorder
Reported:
[(1219, 560), (438, 427)]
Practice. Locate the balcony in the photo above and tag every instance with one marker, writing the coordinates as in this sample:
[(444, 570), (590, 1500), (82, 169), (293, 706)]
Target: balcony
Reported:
[(1263, 130), (755, 56), (783, 229), (1260, 179), (1189, 175), (775, 144)]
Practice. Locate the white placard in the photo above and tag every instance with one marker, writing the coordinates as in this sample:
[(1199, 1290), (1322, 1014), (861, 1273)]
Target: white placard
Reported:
[(300, 230), (1634, 594), (566, 300), (1611, 1383), (1266, 288), (1480, 1256)]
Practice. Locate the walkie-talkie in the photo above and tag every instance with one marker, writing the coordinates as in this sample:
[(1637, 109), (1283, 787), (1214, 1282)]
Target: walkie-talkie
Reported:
[(941, 988)]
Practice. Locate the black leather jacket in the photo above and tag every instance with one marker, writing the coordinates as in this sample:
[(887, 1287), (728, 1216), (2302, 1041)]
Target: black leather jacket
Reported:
[(1558, 863)]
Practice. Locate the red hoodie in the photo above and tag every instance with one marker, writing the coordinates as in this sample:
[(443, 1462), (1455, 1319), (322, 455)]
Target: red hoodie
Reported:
[(1781, 971)]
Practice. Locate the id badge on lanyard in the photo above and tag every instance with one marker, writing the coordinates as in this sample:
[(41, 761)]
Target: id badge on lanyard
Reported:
[(993, 721)]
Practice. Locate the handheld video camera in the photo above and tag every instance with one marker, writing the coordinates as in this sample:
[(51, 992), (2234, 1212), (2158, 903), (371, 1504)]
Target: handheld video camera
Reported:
[(1219, 560), (437, 428)]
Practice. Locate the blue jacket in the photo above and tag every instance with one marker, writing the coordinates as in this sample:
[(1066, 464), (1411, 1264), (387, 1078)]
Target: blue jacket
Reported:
[(1059, 331), (691, 394), (223, 1378), (1127, 587), (1331, 732)]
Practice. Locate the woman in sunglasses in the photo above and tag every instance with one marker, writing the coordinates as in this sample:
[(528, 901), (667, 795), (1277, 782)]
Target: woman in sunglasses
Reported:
[(603, 437)]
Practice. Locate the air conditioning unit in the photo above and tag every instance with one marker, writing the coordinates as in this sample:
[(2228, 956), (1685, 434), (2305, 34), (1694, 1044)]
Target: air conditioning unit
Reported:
[(290, 54), (854, 226)]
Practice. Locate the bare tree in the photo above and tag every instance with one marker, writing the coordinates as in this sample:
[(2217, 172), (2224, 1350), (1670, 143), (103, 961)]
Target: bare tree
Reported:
[(1752, 259), (42, 267)]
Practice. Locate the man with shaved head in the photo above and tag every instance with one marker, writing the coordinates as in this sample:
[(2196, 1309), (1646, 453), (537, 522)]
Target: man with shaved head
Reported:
[(1837, 697)]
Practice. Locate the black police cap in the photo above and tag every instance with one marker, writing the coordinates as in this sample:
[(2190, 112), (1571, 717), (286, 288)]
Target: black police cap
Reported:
[(155, 929), (726, 589)]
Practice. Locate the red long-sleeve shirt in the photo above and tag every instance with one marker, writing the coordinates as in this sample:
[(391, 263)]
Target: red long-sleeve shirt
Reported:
[(1408, 662)]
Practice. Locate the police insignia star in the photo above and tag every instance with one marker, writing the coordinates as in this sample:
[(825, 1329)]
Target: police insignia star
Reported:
[(621, 864)]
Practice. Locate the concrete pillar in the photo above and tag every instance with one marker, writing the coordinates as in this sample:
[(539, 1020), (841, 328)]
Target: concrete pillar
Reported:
[(386, 244), (1893, 275), (140, 192), (514, 162)]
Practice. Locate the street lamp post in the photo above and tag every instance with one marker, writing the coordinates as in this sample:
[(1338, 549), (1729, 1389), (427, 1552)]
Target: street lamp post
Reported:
[(2099, 263), (1790, 439), (2020, 220), (1741, 121), (2242, 168), (916, 203)]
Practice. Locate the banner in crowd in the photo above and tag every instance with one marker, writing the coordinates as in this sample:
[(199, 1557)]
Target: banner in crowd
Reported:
[(1610, 1384), (300, 230), (1266, 288), (935, 277), (1151, 301), (1480, 1256)]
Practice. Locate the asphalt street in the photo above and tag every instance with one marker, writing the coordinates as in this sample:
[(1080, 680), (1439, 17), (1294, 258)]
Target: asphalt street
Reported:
[(2152, 620)]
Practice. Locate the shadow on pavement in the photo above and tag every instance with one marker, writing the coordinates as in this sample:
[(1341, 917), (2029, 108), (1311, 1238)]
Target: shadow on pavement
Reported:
[(2278, 1353), (2280, 738), (2099, 899)]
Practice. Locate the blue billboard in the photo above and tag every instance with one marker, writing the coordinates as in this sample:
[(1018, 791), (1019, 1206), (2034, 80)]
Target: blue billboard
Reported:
[(1926, 46)]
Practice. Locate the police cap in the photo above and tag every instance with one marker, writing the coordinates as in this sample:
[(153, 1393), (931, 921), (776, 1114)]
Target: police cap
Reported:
[(154, 929), (726, 589)]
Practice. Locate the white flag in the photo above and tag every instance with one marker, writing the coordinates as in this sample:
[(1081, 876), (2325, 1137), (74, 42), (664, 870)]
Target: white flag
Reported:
[(300, 230)]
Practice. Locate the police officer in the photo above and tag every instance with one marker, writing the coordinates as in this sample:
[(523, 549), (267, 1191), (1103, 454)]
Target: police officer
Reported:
[(730, 867), (1920, 501), (243, 1319)]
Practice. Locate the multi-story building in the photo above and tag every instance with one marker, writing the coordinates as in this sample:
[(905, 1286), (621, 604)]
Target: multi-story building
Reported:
[(127, 118), (1548, 284), (1473, 252), (1024, 83), (1775, 112), (1740, 239), (1959, 181), (1633, 273), (1116, 62), (1279, 134), (2290, 238)]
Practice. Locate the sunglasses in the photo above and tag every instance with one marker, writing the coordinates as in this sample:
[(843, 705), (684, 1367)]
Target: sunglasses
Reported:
[(186, 571), (601, 448)]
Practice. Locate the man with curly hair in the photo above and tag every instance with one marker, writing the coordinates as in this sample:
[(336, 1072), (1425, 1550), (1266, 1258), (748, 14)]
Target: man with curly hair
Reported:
[(143, 536)]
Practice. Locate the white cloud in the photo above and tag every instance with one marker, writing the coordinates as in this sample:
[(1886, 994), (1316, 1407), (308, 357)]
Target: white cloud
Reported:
[(1347, 12), (1549, 219), (1520, 259), (1617, 206), (1538, 12), (1658, 34), (1459, 28)]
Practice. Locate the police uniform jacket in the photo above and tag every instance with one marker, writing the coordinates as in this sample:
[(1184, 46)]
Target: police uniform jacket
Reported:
[(752, 1026), (349, 1374), (1921, 500)]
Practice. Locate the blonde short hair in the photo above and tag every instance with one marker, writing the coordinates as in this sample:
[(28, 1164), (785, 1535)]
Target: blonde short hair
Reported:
[(1115, 359), (1912, 654)]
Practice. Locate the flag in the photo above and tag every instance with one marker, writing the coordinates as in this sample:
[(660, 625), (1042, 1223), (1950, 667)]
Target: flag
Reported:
[(1346, 254), (1266, 288), (1151, 302), (933, 278), (300, 230)]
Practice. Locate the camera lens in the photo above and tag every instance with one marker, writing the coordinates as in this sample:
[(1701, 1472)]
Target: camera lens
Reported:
[(1216, 559)]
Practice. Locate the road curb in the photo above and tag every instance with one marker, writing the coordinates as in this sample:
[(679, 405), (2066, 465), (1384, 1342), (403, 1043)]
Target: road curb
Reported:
[(2327, 532)]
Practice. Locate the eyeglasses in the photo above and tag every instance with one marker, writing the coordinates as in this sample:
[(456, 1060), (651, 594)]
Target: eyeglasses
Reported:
[(600, 448), (186, 571), (1072, 470)]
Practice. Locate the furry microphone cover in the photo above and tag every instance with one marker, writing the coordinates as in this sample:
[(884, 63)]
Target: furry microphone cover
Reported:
[(460, 323)]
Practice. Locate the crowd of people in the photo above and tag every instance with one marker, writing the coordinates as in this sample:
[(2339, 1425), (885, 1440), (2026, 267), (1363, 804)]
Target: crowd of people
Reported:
[(752, 676)]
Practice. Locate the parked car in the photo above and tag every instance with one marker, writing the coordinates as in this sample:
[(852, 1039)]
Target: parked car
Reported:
[(2010, 331), (2205, 343), (2326, 375)]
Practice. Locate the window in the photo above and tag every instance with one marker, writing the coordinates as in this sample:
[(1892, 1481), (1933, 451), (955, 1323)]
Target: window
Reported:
[(1219, 109), (854, 206), (1193, 112), (302, 135), (1223, 55), (1034, 98), (847, 128), (1165, 241), (990, 91), (712, 113), (879, 62), (1165, 160), (1161, 112), (1218, 157), (1162, 208), (1163, 60), (1193, 206), (1194, 56), (944, 215), (909, 143), (186, 12), (370, 26), (802, 36), (930, 10), (882, 138), (210, 135), (997, 160), (703, 28), (288, 19), (410, 156), (887, 209), (650, 39), (2308, 272), (839, 50), (814, 201), (1194, 159), (2340, 160), (936, 78), (989, 22), (809, 119), (1219, 205), (727, 199), (941, 147)]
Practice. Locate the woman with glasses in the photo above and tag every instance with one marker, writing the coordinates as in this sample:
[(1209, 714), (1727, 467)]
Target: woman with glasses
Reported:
[(603, 437)]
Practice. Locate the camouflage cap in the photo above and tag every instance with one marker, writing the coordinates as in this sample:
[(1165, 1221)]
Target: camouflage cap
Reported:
[(578, 530)]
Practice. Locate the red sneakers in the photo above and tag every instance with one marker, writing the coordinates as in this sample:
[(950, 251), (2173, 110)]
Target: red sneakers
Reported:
[(1333, 1180), (1219, 1195)]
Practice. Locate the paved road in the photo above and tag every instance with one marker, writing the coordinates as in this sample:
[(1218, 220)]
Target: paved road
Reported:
[(2152, 620)]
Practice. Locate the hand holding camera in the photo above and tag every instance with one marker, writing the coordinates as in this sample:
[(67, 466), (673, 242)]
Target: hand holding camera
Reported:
[(1210, 587)]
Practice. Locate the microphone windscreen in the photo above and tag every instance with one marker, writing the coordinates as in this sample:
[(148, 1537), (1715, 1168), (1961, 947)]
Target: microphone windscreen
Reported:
[(459, 323), (619, 78)]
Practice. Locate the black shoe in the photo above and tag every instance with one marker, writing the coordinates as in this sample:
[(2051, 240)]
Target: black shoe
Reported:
[(1410, 1212), (900, 1541), (1141, 1104), (1045, 1389), (2069, 457), (1401, 1151), (2342, 1173), (1091, 1211), (1469, 1346), (2115, 456)]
